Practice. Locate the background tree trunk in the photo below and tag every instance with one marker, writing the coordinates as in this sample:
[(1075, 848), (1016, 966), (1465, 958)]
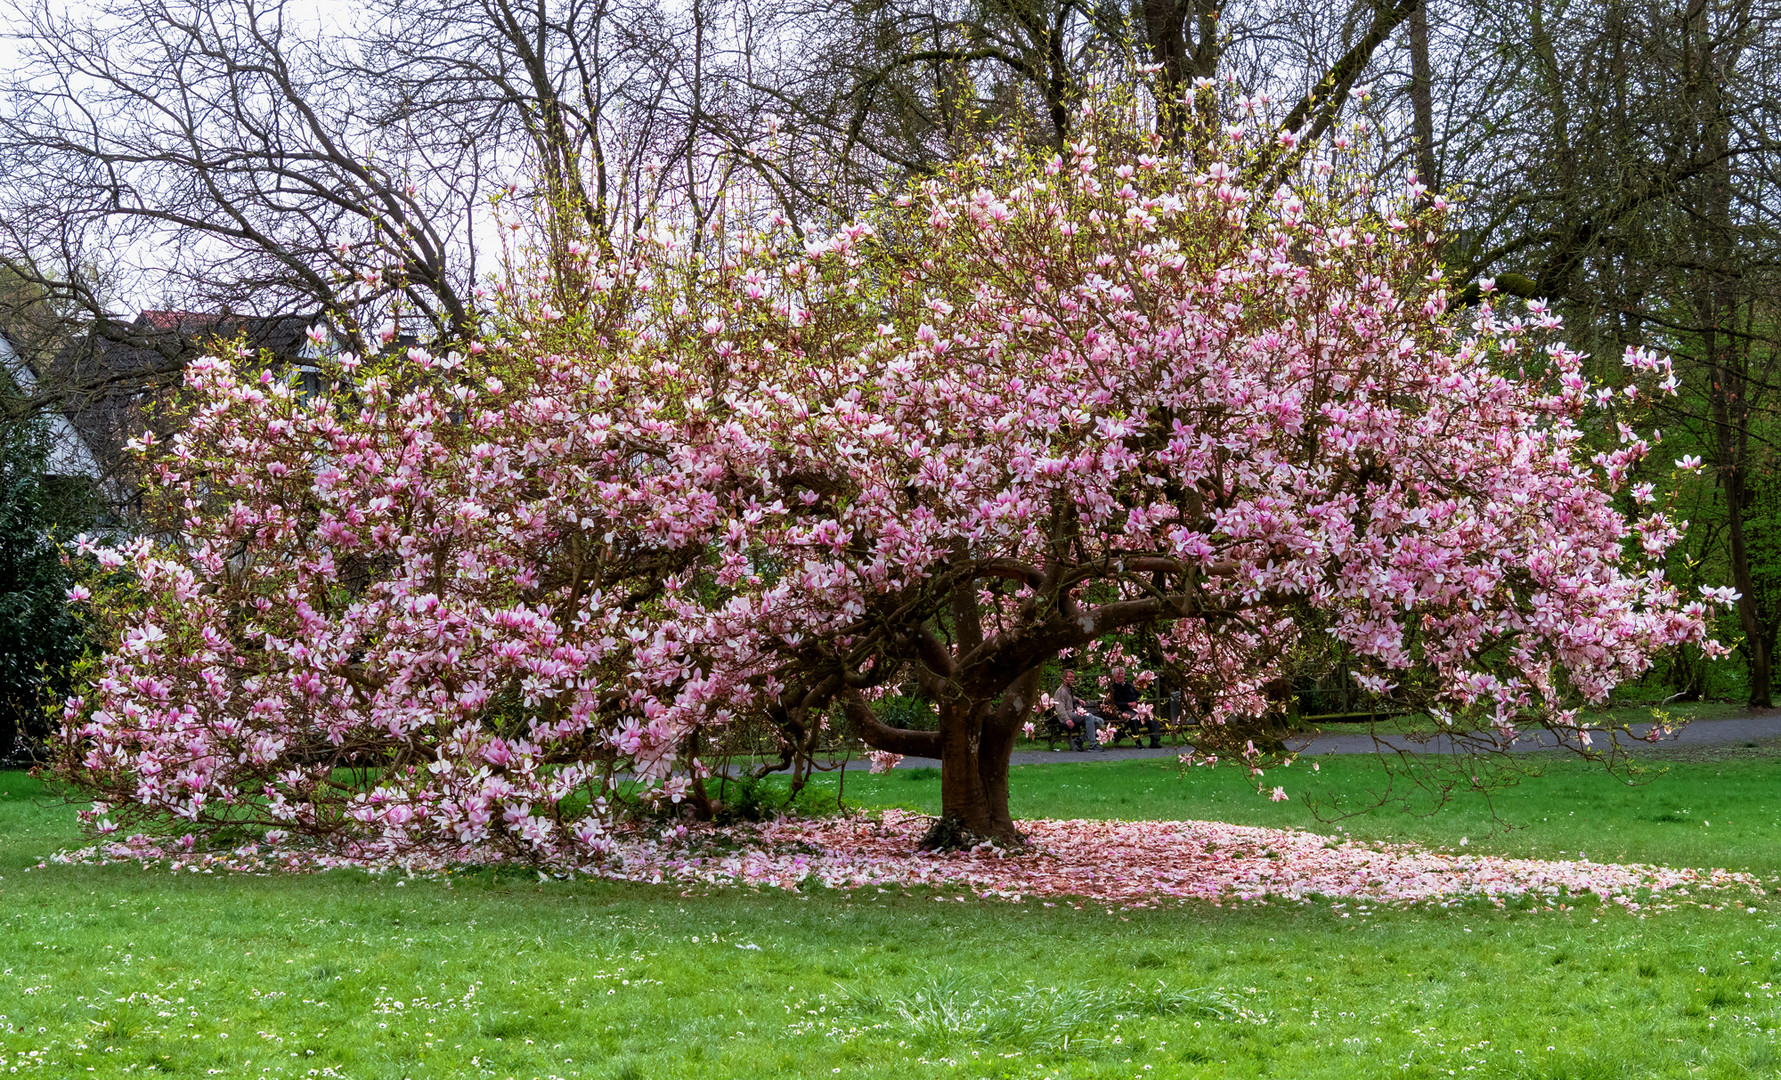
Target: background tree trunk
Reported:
[(1719, 298), (1422, 99)]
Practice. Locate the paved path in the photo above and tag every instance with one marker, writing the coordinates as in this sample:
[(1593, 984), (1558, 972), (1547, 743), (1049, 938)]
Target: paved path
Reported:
[(1729, 731)]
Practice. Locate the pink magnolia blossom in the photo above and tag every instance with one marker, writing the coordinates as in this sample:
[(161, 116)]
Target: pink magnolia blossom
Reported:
[(883, 761)]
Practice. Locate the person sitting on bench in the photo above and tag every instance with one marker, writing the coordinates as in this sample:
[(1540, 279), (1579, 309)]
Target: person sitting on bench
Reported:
[(1125, 703), (1077, 720)]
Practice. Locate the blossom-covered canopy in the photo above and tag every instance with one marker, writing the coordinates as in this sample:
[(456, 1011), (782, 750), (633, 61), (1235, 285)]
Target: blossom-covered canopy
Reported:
[(1037, 401)]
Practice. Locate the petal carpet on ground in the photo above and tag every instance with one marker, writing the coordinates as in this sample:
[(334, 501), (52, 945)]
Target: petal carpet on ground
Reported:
[(1124, 863)]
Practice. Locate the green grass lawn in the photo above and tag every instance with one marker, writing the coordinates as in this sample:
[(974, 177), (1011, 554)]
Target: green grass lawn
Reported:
[(1619, 714), (1418, 723), (113, 971)]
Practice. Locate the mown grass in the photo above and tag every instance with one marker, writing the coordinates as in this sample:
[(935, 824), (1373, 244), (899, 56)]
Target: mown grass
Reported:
[(1627, 713), (1421, 724), (114, 971)]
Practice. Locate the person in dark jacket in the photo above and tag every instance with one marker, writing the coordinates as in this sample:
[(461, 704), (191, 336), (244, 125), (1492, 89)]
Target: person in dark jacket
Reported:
[(1125, 701)]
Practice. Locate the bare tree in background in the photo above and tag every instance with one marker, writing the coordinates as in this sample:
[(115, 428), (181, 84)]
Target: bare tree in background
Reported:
[(1721, 301), (889, 88), (239, 160), (229, 156), (236, 159), (223, 154), (610, 104), (1567, 129)]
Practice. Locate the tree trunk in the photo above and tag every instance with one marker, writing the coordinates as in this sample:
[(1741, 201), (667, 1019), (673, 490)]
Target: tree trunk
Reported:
[(1757, 635), (974, 754), (1182, 36), (1422, 100)]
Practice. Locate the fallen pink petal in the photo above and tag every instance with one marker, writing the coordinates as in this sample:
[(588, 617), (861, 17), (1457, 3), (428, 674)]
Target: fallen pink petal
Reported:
[(1121, 863)]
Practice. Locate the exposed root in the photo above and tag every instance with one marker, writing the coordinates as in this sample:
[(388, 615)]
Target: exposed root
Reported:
[(951, 834)]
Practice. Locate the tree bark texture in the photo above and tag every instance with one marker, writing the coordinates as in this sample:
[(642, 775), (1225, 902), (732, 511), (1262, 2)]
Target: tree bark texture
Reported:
[(1422, 99), (976, 743)]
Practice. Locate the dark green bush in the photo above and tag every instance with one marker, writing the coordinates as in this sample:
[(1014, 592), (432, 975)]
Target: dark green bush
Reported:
[(40, 637)]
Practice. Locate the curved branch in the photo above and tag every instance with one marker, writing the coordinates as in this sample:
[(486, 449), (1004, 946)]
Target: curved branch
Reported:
[(881, 736)]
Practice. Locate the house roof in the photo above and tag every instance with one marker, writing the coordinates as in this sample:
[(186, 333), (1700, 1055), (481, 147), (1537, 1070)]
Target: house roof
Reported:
[(108, 378)]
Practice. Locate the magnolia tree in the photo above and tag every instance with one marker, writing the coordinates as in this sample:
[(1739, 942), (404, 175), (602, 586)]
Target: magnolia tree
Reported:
[(456, 605)]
